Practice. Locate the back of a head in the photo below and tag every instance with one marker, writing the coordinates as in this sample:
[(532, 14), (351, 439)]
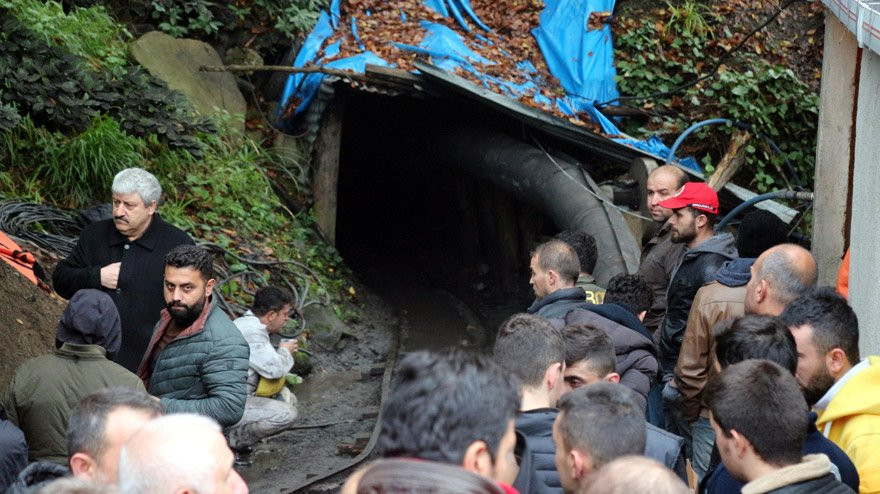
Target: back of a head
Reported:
[(759, 231), (91, 318), (603, 421), (630, 291), (834, 323), (441, 402), (789, 269), (635, 474), (137, 180), (170, 454), (755, 337), (526, 346), (88, 420), (422, 477), (584, 246), (585, 342), (764, 403), (270, 298), (191, 256), (558, 256)]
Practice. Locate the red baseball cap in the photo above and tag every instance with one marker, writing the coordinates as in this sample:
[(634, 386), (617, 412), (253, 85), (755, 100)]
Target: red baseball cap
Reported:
[(697, 195)]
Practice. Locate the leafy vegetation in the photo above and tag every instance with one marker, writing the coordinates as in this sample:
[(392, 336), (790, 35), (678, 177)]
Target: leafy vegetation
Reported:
[(74, 111), (102, 45), (57, 90), (678, 44)]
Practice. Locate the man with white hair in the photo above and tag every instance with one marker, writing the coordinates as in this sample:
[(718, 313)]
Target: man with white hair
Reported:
[(179, 454), (125, 257)]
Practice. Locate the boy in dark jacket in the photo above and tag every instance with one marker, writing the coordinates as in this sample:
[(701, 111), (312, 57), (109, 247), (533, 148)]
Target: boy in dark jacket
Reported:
[(531, 349)]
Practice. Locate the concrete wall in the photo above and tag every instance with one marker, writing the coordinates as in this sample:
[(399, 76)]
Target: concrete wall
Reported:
[(834, 158), (865, 232)]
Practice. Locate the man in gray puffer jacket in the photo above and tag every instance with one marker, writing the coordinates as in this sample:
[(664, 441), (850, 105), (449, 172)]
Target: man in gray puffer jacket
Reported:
[(197, 360)]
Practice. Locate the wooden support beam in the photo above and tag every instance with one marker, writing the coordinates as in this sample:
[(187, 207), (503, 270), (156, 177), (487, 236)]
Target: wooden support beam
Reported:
[(326, 167), (732, 160)]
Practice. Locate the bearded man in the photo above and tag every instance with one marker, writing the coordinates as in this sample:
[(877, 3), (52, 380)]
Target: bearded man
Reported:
[(197, 360)]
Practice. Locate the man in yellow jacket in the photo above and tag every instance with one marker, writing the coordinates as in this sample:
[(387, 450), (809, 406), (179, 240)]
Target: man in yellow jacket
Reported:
[(842, 388)]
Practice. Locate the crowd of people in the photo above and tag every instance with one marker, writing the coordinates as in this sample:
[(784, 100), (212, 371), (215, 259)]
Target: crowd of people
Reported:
[(719, 367)]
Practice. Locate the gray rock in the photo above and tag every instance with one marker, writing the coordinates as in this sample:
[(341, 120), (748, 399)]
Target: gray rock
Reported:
[(325, 329), (177, 62)]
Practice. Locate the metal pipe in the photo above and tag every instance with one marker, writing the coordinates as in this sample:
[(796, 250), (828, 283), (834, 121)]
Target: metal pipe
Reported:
[(790, 195)]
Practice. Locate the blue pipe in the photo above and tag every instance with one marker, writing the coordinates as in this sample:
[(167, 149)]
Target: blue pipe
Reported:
[(778, 194), (740, 125)]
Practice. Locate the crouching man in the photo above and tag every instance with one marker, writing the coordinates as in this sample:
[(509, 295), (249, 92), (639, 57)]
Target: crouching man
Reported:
[(270, 407)]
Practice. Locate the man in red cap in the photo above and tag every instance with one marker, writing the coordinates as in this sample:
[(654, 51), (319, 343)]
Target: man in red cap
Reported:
[(695, 209)]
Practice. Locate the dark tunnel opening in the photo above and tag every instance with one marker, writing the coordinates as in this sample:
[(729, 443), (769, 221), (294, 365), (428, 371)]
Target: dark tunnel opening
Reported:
[(401, 214)]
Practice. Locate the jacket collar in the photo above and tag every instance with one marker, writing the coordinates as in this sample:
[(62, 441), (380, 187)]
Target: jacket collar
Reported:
[(148, 240), (811, 467), (162, 327), (573, 293), (73, 350)]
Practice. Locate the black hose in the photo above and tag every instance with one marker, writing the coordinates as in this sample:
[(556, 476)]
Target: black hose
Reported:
[(790, 195)]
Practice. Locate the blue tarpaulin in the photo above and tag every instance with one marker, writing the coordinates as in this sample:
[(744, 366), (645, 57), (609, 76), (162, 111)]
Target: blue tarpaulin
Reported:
[(578, 54)]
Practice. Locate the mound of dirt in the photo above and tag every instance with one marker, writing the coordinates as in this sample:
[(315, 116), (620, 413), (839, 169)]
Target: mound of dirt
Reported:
[(28, 320)]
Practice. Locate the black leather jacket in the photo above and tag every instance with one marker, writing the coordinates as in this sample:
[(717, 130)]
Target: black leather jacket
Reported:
[(698, 267)]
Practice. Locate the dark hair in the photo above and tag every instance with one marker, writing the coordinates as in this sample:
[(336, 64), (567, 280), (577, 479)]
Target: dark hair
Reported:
[(270, 298), (712, 218), (407, 475), (85, 429), (560, 257), (441, 402), (526, 346), (781, 271), (629, 291), (584, 246), (763, 402), (191, 256), (758, 231), (586, 342), (833, 322), (602, 420), (755, 337)]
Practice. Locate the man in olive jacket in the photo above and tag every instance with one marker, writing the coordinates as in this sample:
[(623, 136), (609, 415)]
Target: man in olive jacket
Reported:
[(124, 257), (45, 389), (197, 360)]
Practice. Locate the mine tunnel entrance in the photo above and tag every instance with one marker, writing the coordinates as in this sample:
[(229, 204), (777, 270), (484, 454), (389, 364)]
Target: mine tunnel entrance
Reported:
[(448, 250)]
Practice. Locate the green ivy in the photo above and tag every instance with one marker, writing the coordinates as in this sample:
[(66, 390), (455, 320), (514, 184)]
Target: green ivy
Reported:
[(652, 57), (58, 91)]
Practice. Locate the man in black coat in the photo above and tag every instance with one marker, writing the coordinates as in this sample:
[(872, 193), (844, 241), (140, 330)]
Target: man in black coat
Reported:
[(125, 257)]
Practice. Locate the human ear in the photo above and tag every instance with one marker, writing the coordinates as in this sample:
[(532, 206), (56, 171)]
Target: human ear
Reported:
[(477, 459), (209, 286), (82, 465), (837, 362)]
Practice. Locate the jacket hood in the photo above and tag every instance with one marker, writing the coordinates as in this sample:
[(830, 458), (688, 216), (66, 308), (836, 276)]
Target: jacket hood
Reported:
[(91, 318), (720, 243), (622, 316), (857, 397), (736, 272), (36, 476)]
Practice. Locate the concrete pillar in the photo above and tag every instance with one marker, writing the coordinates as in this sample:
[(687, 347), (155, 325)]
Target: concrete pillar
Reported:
[(864, 288), (834, 154)]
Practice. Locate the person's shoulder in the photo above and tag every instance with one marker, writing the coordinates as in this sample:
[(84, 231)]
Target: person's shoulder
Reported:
[(172, 233)]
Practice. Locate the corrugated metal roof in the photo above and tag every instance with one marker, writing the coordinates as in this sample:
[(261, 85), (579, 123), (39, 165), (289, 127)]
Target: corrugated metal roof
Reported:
[(861, 17)]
